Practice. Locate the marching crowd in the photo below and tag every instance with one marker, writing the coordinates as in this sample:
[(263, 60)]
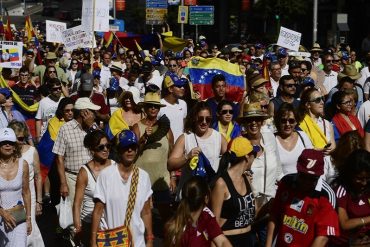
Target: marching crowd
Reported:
[(123, 134)]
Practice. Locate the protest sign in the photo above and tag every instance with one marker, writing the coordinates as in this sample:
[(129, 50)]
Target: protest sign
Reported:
[(100, 16), (76, 37), (11, 54), (54, 31), (289, 39)]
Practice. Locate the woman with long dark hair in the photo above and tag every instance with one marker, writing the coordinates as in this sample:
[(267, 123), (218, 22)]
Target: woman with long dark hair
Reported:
[(232, 198), (353, 195), (193, 223)]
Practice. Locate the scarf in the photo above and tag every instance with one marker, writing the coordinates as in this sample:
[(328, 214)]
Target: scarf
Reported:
[(313, 131), (342, 125)]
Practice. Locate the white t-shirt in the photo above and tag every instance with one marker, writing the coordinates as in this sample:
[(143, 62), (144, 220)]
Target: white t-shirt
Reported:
[(365, 73), (113, 192), (46, 110), (285, 70), (330, 80), (363, 113), (289, 159), (176, 114), (105, 76)]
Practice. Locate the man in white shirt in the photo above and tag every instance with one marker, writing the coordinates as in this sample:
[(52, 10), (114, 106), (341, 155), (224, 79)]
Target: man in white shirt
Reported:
[(282, 55), (275, 75), (176, 108), (105, 73), (330, 75)]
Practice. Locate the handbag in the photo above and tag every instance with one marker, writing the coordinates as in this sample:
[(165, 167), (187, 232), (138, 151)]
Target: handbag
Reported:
[(121, 236), (19, 213)]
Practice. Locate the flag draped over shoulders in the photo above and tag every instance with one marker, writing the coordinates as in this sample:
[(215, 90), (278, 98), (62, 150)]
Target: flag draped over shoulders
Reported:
[(116, 124), (46, 144), (202, 70)]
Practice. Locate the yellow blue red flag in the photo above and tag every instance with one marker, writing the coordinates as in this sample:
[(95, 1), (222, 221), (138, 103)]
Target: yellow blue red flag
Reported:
[(202, 70)]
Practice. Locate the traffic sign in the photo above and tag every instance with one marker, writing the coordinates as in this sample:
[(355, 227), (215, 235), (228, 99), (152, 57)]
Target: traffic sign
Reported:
[(182, 15), (201, 15), (156, 10)]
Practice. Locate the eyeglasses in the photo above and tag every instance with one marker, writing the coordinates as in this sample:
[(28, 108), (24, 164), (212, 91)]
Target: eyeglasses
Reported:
[(348, 102), (56, 88), (328, 61), (3, 143), (102, 147), (172, 65), (224, 112), (20, 138), (290, 85), (318, 100), (204, 119), (288, 120), (149, 106), (52, 71)]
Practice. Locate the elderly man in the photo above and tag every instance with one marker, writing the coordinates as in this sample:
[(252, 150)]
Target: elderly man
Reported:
[(69, 147)]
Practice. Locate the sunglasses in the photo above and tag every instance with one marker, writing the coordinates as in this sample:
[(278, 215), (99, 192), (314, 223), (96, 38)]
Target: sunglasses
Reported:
[(348, 102), (303, 70), (149, 106), (102, 147), (172, 65), (204, 119), (56, 88), (3, 143), (224, 112), (74, 63), (290, 85), (318, 100), (288, 120), (329, 61), (52, 71)]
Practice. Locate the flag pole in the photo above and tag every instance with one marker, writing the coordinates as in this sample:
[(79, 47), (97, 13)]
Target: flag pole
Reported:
[(93, 36)]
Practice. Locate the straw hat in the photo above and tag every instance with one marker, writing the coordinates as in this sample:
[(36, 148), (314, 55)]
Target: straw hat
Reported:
[(316, 47), (51, 56), (255, 80), (349, 71), (152, 98), (252, 110)]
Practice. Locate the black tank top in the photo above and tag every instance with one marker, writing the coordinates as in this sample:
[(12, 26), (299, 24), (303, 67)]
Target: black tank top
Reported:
[(238, 210)]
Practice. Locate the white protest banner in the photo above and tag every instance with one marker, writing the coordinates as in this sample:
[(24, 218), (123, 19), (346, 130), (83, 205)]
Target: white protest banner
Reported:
[(11, 54), (54, 31), (76, 37), (289, 39), (100, 15)]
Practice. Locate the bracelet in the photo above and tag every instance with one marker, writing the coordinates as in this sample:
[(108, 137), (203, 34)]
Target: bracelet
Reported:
[(150, 237), (363, 221)]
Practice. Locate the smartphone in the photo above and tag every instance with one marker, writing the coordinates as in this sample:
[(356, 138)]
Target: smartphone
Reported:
[(327, 145)]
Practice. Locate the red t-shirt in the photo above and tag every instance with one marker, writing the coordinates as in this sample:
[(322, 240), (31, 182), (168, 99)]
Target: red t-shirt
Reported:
[(301, 217), (203, 233), (358, 207)]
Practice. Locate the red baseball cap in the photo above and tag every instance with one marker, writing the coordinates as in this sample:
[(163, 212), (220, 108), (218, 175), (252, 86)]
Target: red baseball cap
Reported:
[(311, 162)]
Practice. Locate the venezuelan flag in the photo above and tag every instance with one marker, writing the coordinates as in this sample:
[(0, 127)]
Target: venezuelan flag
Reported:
[(108, 37), (18, 101), (46, 144), (13, 54), (202, 70), (8, 31), (116, 124), (29, 28)]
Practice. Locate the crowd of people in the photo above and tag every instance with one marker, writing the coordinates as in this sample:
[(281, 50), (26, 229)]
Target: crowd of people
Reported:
[(129, 140)]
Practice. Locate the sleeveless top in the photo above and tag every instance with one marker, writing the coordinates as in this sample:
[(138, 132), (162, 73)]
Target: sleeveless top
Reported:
[(238, 210), (153, 159), (28, 156), (11, 191)]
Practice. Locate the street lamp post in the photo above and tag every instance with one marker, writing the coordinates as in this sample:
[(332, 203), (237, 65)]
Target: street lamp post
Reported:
[(314, 36)]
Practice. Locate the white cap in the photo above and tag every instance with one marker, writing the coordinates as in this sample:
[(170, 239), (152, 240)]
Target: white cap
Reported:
[(7, 134), (85, 103)]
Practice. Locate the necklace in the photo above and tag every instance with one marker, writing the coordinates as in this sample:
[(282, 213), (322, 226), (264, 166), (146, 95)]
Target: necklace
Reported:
[(4, 164)]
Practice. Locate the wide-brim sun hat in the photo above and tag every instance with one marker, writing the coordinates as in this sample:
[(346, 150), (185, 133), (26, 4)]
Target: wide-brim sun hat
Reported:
[(252, 110), (349, 71), (151, 98)]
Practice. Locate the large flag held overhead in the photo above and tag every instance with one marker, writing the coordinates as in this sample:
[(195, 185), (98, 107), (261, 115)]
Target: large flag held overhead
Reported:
[(8, 31), (108, 38), (202, 70)]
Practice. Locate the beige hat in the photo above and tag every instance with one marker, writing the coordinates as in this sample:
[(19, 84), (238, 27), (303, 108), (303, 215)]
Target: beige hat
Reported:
[(256, 80), (235, 49), (152, 98), (51, 56), (316, 47), (85, 103), (252, 110), (349, 71)]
